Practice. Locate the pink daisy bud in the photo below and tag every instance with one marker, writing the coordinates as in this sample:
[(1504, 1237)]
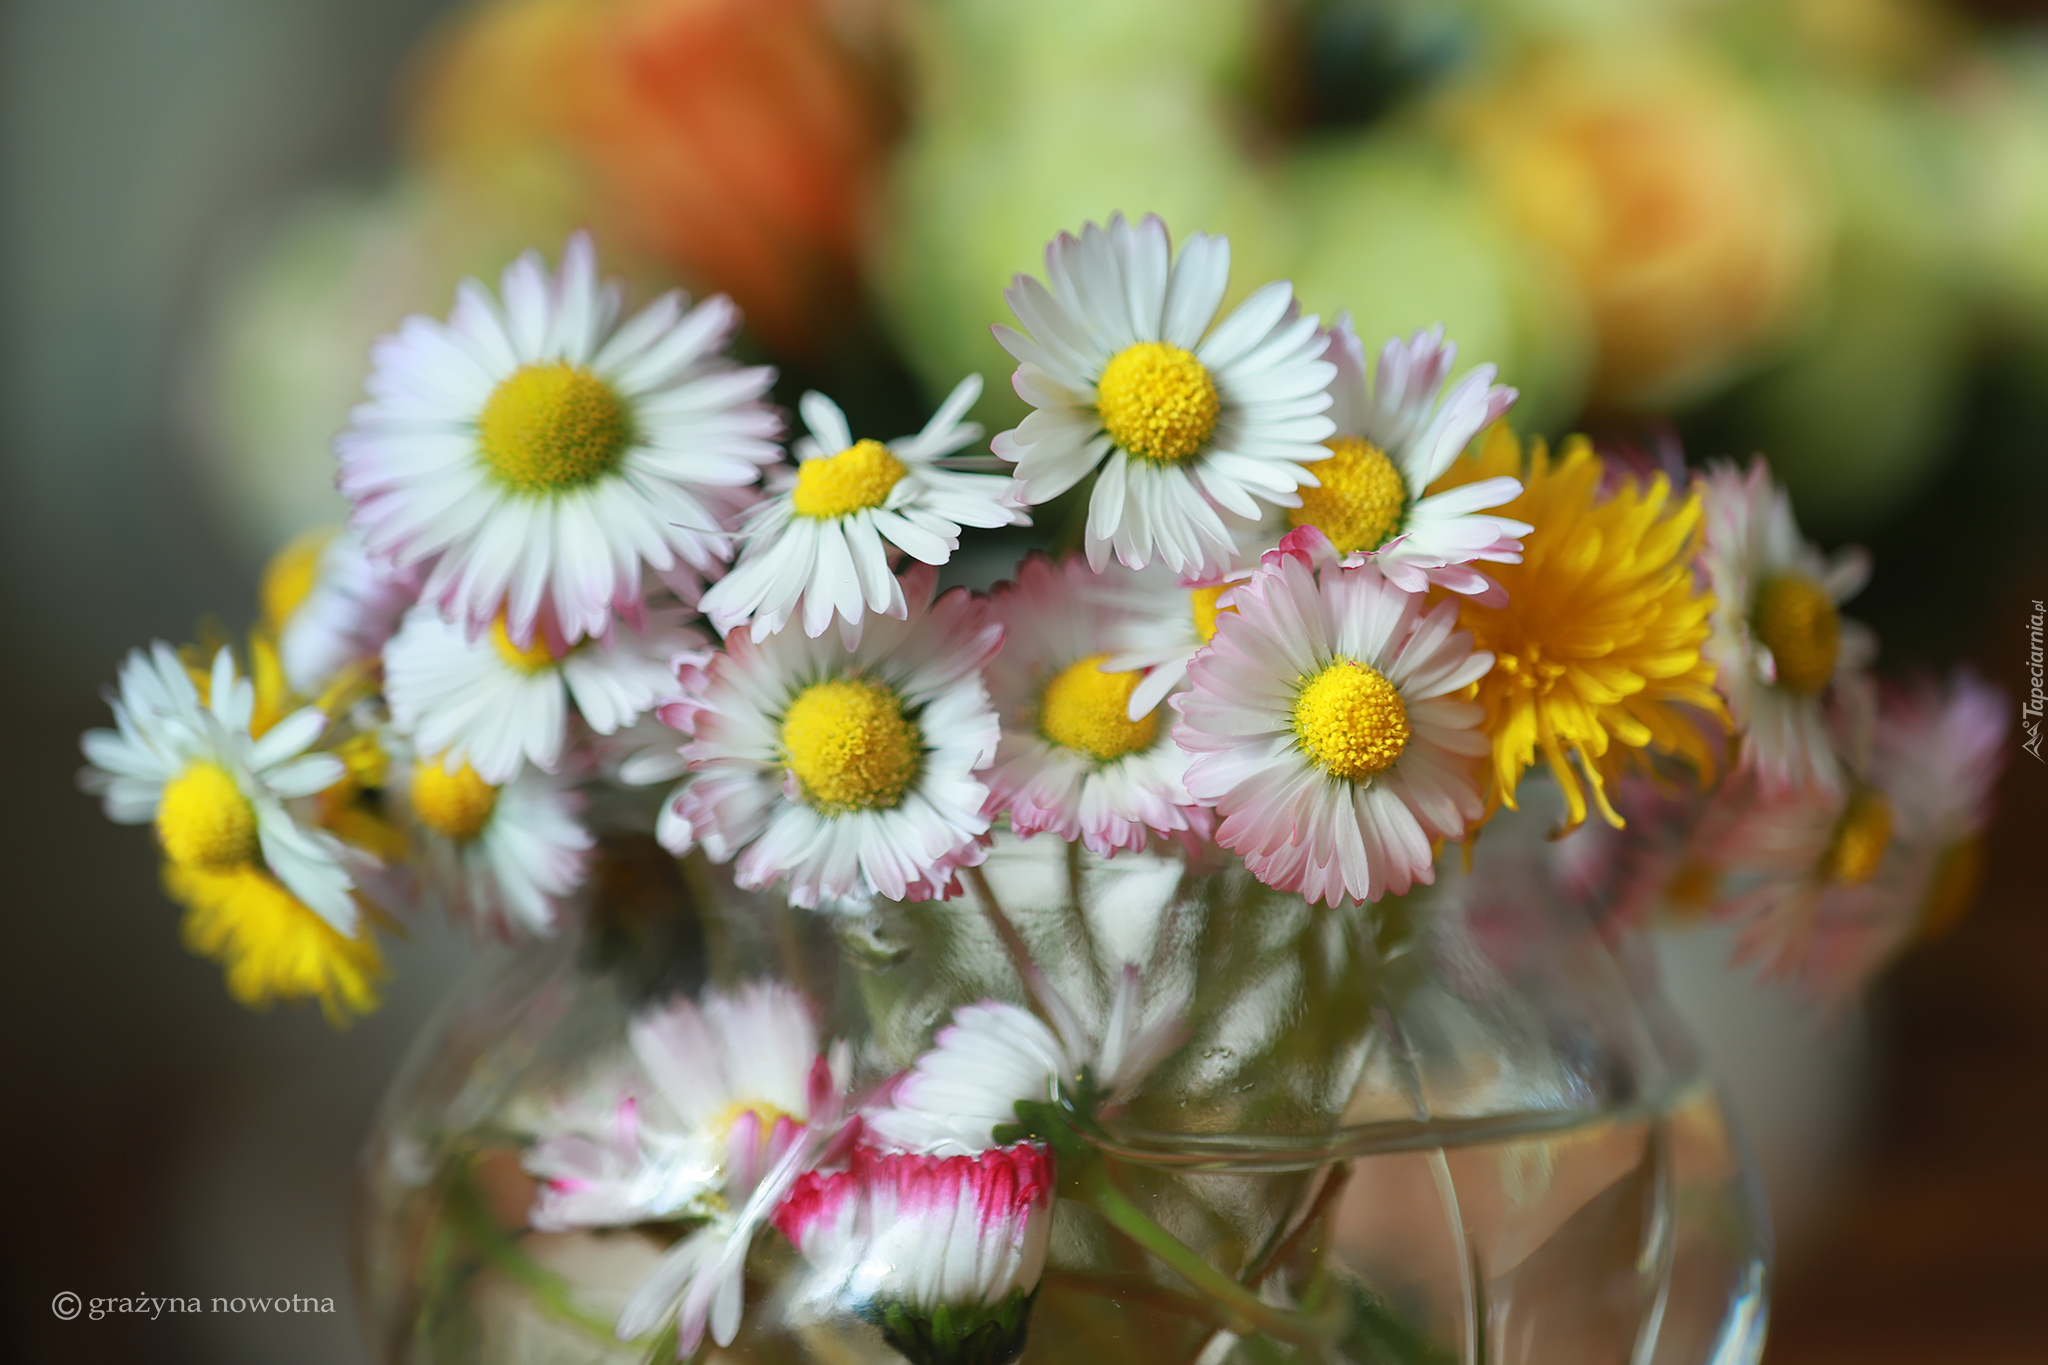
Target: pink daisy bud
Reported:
[(942, 1253)]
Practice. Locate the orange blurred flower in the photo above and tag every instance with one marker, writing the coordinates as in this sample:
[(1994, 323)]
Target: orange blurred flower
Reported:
[(1691, 231), (735, 141)]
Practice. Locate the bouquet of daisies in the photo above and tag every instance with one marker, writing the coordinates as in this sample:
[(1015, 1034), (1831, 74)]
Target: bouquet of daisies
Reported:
[(1322, 612)]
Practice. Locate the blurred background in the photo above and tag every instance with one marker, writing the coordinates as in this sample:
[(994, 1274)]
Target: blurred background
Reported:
[(1816, 228)]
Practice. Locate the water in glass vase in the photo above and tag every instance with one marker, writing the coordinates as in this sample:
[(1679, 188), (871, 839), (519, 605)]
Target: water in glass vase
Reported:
[(1463, 1129), (1628, 1239)]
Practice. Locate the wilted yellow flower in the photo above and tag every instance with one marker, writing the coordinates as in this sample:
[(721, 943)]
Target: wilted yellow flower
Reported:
[(1691, 232), (272, 945), (1597, 649)]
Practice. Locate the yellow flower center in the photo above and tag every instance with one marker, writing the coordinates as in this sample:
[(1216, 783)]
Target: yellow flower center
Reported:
[(1362, 496), (1202, 605), (1797, 621), (850, 745), (527, 658), (205, 821), (553, 426), (726, 1119), (457, 805), (1157, 401), (1087, 710), (1861, 837), (1351, 721), (857, 478)]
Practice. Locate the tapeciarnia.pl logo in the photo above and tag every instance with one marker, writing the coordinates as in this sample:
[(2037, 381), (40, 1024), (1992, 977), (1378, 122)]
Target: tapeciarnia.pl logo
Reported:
[(2036, 699)]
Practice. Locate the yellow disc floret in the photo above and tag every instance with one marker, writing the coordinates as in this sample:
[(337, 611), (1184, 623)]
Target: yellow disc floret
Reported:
[(1157, 401), (1861, 837), (1361, 500), (273, 946), (205, 821), (1088, 711), (857, 478), (457, 805), (1202, 605), (850, 745), (1797, 621), (527, 658), (766, 1112), (552, 426), (1351, 720)]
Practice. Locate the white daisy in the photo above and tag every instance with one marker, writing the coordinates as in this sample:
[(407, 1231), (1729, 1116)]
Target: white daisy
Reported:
[(1780, 646), (742, 1104), (994, 1054), (1799, 858), (1177, 421), (1396, 432), (353, 607), (494, 704), (723, 1087), (1831, 886), (504, 858), (845, 770), (824, 538), (217, 793), (1326, 730), (938, 1252), (1940, 752), (537, 455), (1072, 760), (613, 1173)]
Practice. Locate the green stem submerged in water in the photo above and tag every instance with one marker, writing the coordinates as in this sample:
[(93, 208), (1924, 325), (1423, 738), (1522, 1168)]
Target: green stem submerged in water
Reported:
[(1244, 1311)]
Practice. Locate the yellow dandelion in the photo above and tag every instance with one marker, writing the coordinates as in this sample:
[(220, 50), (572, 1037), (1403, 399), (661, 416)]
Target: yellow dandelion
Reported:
[(272, 945), (1598, 647)]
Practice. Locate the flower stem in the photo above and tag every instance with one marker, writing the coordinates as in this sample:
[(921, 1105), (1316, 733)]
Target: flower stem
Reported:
[(547, 1291), (1019, 951), (1238, 1301), (1277, 1254)]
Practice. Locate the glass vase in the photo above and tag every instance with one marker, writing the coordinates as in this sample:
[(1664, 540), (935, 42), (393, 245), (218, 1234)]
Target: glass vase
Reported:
[(1459, 1125)]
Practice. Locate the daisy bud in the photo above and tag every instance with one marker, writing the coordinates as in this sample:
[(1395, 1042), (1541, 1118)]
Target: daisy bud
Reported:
[(942, 1253)]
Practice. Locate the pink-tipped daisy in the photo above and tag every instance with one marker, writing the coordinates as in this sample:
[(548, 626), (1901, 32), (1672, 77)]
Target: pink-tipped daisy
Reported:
[(1073, 760), (847, 771), (1180, 423), (824, 539), (741, 1103), (496, 705), (723, 1085), (1780, 645), (1326, 728), (943, 1254), (533, 455), (1829, 885), (1396, 433)]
